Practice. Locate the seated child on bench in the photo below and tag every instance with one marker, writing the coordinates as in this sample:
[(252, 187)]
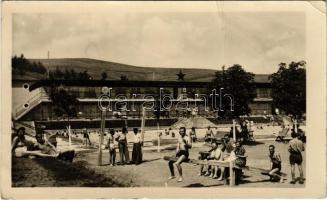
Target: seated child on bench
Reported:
[(215, 154)]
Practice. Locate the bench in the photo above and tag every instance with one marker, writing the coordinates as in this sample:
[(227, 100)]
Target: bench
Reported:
[(230, 165)]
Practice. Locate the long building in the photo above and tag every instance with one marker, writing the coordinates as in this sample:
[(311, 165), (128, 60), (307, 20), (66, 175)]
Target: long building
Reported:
[(32, 103)]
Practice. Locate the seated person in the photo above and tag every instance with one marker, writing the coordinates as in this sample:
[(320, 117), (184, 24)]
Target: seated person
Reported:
[(20, 143), (229, 157), (209, 134), (240, 154), (223, 157), (275, 164), (216, 154), (22, 147), (182, 153), (206, 155), (166, 132)]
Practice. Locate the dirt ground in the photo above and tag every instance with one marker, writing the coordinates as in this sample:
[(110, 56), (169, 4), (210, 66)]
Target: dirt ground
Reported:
[(153, 172)]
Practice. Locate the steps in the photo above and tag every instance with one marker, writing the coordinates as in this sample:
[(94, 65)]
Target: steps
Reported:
[(31, 103)]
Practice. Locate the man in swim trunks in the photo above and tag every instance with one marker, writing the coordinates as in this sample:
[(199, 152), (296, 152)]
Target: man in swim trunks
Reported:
[(275, 164), (182, 153), (296, 147)]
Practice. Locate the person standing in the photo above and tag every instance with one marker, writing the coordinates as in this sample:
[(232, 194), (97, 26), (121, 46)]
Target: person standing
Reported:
[(122, 145), (111, 147), (209, 135), (193, 134), (182, 153), (137, 147), (85, 135), (295, 148)]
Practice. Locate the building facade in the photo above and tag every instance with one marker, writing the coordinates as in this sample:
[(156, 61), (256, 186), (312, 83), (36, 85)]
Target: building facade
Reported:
[(124, 98)]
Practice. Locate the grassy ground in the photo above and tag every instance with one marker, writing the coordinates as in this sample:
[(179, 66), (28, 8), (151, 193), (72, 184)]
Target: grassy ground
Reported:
[(47, 172)]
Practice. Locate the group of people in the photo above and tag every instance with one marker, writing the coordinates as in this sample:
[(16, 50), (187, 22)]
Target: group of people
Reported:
[(295, 148), (192, 134), (228, 150), (210, 135), (225, 150), (23, 147), (121, 140)]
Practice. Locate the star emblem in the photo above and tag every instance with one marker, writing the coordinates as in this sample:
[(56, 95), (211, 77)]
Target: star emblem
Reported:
[(181, 75)]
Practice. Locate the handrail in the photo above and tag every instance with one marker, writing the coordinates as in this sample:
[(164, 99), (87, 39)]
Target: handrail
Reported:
[(32, 101)]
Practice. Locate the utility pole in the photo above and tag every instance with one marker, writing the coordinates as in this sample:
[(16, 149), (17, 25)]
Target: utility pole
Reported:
[(234, 130), (103, 115), (48, 64)]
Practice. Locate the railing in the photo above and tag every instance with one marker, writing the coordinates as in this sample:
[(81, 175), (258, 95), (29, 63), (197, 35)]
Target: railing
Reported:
[(36, 99)]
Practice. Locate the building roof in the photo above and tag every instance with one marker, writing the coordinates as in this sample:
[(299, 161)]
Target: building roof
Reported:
[(128, 83), (262, 78)]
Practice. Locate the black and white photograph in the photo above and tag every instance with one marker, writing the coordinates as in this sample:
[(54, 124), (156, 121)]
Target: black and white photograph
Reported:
[(169, 97)]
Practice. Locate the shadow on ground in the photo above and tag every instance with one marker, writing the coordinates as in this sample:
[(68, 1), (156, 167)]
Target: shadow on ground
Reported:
[(40, 172)]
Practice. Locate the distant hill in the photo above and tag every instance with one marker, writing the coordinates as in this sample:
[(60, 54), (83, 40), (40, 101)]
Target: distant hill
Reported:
[(115, 70)]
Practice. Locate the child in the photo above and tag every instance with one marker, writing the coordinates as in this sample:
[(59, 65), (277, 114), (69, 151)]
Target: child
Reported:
[(111, 147), (215, 154)]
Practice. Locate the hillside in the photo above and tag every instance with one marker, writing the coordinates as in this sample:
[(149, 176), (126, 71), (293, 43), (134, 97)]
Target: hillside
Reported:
[(115, 70)]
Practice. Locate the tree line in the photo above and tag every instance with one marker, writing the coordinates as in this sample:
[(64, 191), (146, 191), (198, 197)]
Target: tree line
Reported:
[(23, 65), (288, 89), (69, 74)]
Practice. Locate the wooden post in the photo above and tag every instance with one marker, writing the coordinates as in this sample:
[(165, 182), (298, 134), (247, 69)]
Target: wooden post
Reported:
[(103, 114), (295, 125), (234, 130), (158, 136), (126, 148), (143, 123), (69, 137), (231, 174)]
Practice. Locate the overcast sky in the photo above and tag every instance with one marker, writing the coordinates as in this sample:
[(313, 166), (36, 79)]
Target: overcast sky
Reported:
[(259, 41)]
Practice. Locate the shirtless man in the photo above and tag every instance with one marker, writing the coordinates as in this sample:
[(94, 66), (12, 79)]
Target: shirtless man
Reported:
[(275, 164), (22, 147), (182, 153)]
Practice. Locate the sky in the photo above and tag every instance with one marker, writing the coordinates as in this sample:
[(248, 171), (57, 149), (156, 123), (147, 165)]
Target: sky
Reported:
[(258, 41)]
